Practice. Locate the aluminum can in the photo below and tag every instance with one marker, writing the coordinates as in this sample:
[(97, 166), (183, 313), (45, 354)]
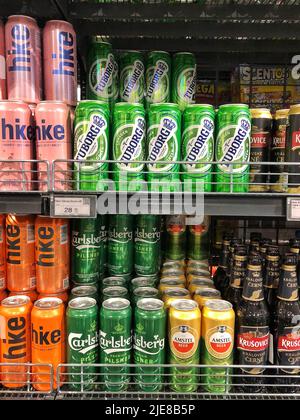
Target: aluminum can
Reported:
[(3, 92), (147, 244), (170, 295), (138, 282), (84, 292), (173, 265), (113, 281), (120, 244), (175, 274), (198, 240), (158, 74), (3, 275), (175, 238), (184, 78), (278, 150), (144, 292), (64, 296), (132, 77), (200, 283), (3, 295), (201, 296), (170, 283), (292, 149), (32, 294), (114, 292)]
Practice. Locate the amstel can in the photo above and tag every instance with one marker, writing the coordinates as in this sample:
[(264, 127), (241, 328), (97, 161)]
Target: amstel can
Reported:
[(132, 77), (120, 244), (115, 292), (142, 282), (170, 283), (233, 148), (184, 78), (292, 149), (198, 240), (163, 140), (201, 296), (147, 244), (184, 328), (91, 145), (278, 150), (113, 281), (15, 340), (84, 291), (170, 295), (158, 73), (217, 343), (102, 72), (197, 149), (175, 238), (32, 294), (52, 254), (149, 344), (82, 343), (200, 283), (2, 252), (20, 256), (144, 292), (115, 343), (129, 146)]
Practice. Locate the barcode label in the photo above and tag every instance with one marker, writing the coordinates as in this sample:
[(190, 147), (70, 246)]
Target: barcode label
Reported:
[(64, 234), (2, 283), (66, 283), (1, 235), (32, 281), (30, 234)]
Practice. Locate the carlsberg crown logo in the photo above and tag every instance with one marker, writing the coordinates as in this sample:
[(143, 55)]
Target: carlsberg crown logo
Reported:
[(97, 126), (137, 72), (197, 146), (234, 147), (106, 76), (159, 72), (132, 145), (166, 131)]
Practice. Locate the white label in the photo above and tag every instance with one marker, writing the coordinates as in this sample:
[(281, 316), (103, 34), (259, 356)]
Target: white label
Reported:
[(2, 68), (293, 209), (72, 206)]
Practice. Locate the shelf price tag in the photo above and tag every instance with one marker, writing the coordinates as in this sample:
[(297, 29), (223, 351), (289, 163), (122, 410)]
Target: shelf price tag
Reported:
[(70, 206), (293, 209)]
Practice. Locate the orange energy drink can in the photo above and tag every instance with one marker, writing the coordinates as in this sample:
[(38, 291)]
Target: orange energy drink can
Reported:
[(64, 296), (203, 295), (32, 294), (2, 254), (52, 254), (200, 283), (15, 340), (47, 340), (170, 283), (3, 295), (20, 263), (174, 294)]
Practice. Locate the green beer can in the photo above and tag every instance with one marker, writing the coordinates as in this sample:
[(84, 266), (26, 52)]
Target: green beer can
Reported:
[(233, 148), (103, 247), (113, 281), (132, 77), (198, 147), (115, 292), (149, 344), (158, 71), (91, 137), (84, 291), (198, 240), (115, 343), (147, 244), (144, 292), (120, 244), (142, 282), (175, 238), (163, 140), (184, 78), (102, 72), (129, 146), (82, 343)]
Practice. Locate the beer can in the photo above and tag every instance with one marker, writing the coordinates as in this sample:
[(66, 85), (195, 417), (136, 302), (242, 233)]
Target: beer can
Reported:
[(201, 296), (175, 238), (115, 292), (84, 292), (3, 282), (16, 149), (184, 78), (64, 296), (158, 74), (3, 295), (132, 77), (120, 244), (196, 274), (149, 344), (15, 340), (23, 59), (3, 92), (178, 275), (170, 265), (129, 146), (47, 341), (147, 244), (142, 282), (170, 295), (195, 265), (20, 254), (82, 343), (292, 150), (184, 328), (52, 254), (200, 283), (144, 292), (53, 142), (278, 150), (32, 294), (115, 343), (198, 240), (60, 62), (170, 283), (113, 281), (261, 137), (218, 320)]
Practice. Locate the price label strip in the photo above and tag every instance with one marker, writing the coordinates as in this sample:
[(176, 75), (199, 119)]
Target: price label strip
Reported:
[(69, 206), (293, 209)]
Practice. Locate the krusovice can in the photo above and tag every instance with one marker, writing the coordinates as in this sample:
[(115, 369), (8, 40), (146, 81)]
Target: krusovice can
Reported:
[(184, 78), (120, 244), (158, 71), (170, 295), (132, 77), (278, 151), (147, 244)]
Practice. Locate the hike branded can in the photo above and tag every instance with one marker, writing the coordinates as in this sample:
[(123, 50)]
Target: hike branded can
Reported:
[(175, 238), (292, 149), (261, 137), (198, 240), (3, 91), (91, 145), (23, 59), (15, 340), (233, 148), (158, 74), (82, 343), (217, 343), (120, 244), (84, 292), (144, 292), (102, 72), (115, 343), (64, 296), (147, 244), (163, 140), (197, 148), (184, 328), (132, 77), (170, 295), (149, 344), (115, 292), (129, 146), (184, 77), (201, 296), (278, 150), (60, 62), (32, 294)]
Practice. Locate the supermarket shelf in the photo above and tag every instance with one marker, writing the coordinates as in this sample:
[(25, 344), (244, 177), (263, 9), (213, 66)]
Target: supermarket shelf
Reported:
[(36, 9), (24, 203)]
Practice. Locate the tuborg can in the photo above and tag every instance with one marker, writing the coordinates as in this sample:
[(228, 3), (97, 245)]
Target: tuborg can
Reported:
[(158, 71), (132, 78), (184, 78), (278, 150), (147, 244), (120, 244)]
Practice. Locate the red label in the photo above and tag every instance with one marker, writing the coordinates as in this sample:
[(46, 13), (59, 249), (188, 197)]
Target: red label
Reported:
[(259, 140), (183, 342), (249, 342), (296, 140), (290, 342), (278, 141), (220, 343)]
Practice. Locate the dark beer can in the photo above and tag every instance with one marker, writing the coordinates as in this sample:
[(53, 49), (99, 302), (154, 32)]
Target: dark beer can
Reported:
[(278, 150), (292, 151)]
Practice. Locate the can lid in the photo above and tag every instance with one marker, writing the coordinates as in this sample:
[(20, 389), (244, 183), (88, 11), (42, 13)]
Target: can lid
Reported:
[(233, 105), (114, 290), (150, 304), (140, 279), (82, 303), (184, 304), (176, 291), (170, 280), (184, 53), (195, 106), (65, 22), (83, 290), (260, 113), (22, 16), (116, 304), (159, 52), (201, 281), (48, 303), (165, 104), (19, 300), (208, 292), (145, 291), (218, 305)]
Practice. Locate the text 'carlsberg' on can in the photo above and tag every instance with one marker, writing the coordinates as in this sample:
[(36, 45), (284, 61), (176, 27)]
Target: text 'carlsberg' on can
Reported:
[(129, 144), (158, 73), (115, 343), (120, 244), (292, 150), (23, 59), (147, 244), (149, 342), (132, 78), (3, 92), (184, 77), (278, 150), (60, 62), (163, 140), (91, 148), (198, 147), (102, 72), (82, 342), (233, 148)]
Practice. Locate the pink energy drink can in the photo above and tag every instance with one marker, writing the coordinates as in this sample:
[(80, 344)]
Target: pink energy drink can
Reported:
[(23, 59), (53, 141), (16, 144), (60, 62), (3, 94)]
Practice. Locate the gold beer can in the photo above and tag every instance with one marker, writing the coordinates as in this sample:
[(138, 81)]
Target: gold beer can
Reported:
[(174, 264), (196, 274), (170, 295), (200, 283), (203, 295), (197, 264), (180, 277), (170, 283)]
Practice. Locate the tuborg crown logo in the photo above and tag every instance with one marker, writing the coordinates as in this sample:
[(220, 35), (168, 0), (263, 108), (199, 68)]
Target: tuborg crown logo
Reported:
[(132, 146), (160, 70), (241, 133), (83, 346), (205, 131), (96, 128), (165, 133), (137, 72), (107, 74)]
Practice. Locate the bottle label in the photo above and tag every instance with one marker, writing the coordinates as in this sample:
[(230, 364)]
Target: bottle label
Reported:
[(219, 341), (253, 347), (253, 287), (184, 341), (288, 348), (272, 274), (288, 286)]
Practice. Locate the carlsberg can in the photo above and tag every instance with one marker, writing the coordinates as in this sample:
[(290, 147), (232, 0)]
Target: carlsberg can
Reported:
[(158, 71), (132, 77), (129, 143), (233, 146), (102, 72), (91, 137), (164, 139), (120, 244), (198, 147), (147, 244), (184, 77)]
